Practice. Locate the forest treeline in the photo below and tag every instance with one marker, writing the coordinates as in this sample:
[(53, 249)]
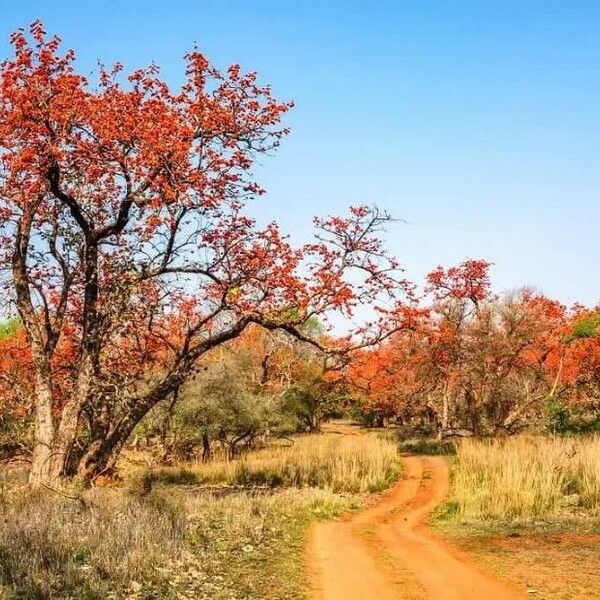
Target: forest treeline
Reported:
[(468, 362)]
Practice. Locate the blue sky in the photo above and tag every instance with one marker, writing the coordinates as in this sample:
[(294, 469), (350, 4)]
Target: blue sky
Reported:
[(478, 123)]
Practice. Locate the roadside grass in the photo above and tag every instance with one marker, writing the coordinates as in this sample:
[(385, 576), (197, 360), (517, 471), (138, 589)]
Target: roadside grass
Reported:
[(164, 545), (239, 539), (353, 463), (525, 478), (528, 508)]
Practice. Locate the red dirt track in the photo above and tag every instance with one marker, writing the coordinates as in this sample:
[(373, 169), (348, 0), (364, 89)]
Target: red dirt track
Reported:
[(362, 557)]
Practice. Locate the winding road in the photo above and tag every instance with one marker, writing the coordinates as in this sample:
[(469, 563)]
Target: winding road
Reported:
[(389, 552)]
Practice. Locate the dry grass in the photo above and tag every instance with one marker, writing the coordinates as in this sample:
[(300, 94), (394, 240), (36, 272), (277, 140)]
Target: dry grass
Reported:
[(526, 477), (357, 463), (54, 547), (179, 542), (169, 544), (527, 508)]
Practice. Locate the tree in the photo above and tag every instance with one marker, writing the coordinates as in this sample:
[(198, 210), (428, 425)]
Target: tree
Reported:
[(386, 380), (457, 295), (225, 403), (129, 252), (234, 398)]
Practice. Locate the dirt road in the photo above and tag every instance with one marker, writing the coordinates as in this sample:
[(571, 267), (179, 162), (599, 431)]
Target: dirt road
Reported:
[(389, 552)]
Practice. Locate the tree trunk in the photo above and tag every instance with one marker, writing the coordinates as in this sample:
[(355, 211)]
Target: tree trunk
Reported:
[(66, 435), (101, 456), (206, 450), (445, 411), (102, 453), (445, 417), (43, 465), (166, 425), (380, 421), (43, 468)]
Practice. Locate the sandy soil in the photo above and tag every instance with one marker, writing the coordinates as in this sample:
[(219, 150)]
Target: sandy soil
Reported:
[(389, 552)]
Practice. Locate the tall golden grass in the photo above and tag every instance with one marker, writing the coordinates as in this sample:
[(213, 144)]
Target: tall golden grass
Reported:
[(357, 463), (526, 477)]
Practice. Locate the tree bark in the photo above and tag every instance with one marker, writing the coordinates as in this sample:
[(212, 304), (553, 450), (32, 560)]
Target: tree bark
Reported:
[(43, 466)]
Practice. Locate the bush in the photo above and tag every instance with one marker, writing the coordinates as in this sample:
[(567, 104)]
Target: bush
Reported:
[(428, 446)]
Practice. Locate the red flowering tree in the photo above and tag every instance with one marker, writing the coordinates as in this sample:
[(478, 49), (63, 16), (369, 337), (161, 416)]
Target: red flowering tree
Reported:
[(127, 246), (386, 380)]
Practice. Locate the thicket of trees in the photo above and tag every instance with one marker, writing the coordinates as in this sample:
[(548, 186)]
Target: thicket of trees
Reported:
[(262, 384), (478, 364)]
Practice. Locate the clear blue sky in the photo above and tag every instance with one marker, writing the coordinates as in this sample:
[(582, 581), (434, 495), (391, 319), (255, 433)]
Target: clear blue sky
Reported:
[(476, 122)]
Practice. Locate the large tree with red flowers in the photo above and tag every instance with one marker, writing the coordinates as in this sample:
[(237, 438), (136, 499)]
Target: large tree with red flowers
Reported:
[(125, 247)]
